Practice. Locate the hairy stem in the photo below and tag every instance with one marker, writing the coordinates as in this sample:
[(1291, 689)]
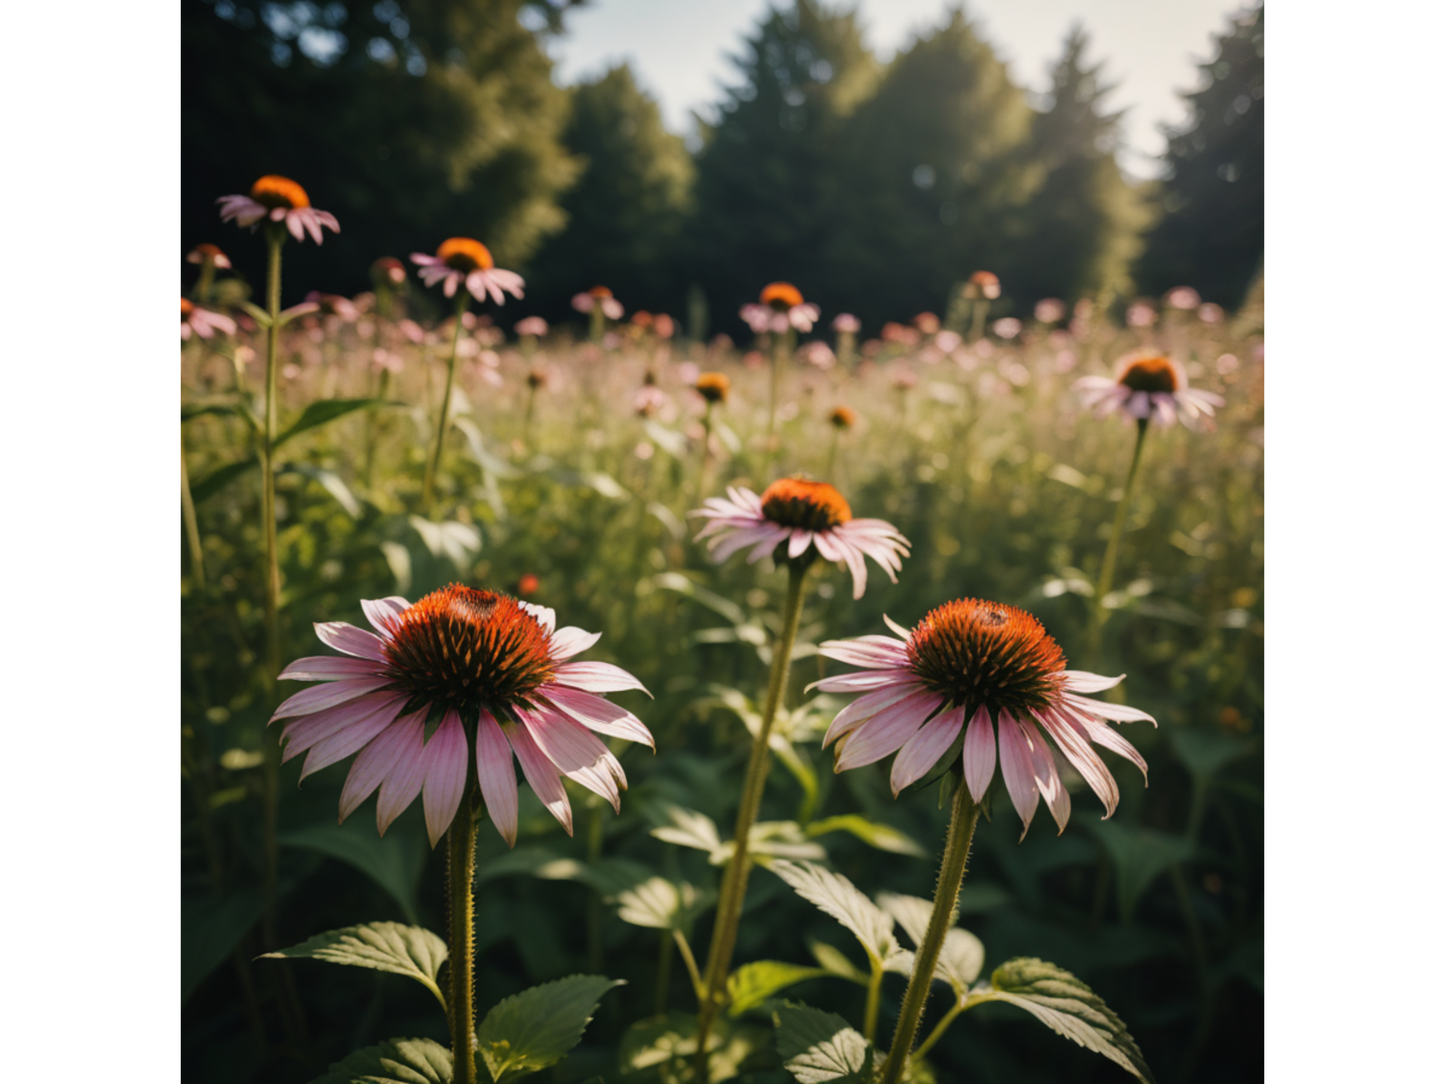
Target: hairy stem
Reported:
[(461, 872)]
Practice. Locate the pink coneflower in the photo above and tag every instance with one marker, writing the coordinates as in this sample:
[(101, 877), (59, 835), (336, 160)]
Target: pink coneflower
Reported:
[(1149, 387), (894, 332), (203, 322), (335, 305), (927, 322), (599, 296), (1007, 328), (843, 417), (663, 326), (1050, 310), (205, 253), (464, 260), (713, 387), (388, 270), (278, 199), (793, 515), (846, 321), (818, 354), (1210, 313), (1140, 314), (977, 663), (532, 325), (488, 672), (983, 284), (1185, 298), (780, 307)]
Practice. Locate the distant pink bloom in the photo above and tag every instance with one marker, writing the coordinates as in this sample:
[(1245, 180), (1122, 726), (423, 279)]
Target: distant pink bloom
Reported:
[(648, 400), (203, 322), (927, 322), (1050, 310), (663, 326), (904, 378), (599, 295), (1140, 314), (948, 341), (205, 252), (491, 674), (780, 307), (1149, 386), (818, 354), (1211, 313), (278, 199), (462, 260), (894, 332), (983, 284), (1007, 328), (1182, 297), (977, 664), (793, 515), (335, 305), (846, 321), (532, 325), (389, 270)]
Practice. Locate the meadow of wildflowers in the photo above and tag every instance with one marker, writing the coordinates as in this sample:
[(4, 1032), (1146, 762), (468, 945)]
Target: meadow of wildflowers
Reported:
[(947, 552)]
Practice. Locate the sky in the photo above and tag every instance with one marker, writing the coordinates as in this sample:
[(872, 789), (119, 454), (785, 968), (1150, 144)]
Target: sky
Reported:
[(678, 49)]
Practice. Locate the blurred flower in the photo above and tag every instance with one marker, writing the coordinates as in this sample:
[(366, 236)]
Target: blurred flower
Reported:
[(898, 333), (536, 379), (207, 253), (1050, 310), (926, 322), (982, 284), (642, 319), (388, 270), (974, 662), (1007, 328), (463, 260), (599, 295), (203, 322), (948, 341), (818, 354), (780, 307), (1185, 298), (846, 321), (493, 672), (1211, 313), (278, 199), (663, 326), (334, 305), (1149, 386), (1140, 314), (904, 378), (793, 515), (1226, 364), (532, 325), (687, 372), (528, 584), (648, 400), (412, 330), (713, 387), (843, 417)]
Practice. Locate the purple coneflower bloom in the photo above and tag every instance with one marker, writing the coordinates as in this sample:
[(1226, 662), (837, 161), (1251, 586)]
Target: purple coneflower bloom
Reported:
[(794, 514), (780, 307), (599, 295), (462, 260), (531, 325), (278, 199), (1149, 387), (976, 664), (490, 673), (208, 253), (846, 321), (202, 321)]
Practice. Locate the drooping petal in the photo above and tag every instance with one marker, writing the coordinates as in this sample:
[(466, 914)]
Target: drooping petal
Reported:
[(497, 777), (444, 763), (1017, 761), (799, 541), (363, 715), (597, 677), (404, 780), (873, 652), (867, 706), (329, 695), (599, 714), (327, 668), (340, 636), (577, 752), (863, 680), (886, 732), (571, 641), (980, 753), (921, 752), (1120, 713), (370, 768), (1072, 738), (382, 612), (1081, 681), (898, 629), (542, 775), (1046, 776)]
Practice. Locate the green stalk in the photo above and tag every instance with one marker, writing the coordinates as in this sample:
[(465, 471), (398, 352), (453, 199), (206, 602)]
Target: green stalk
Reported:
[(735, 879), (271, 769), (188, 514), (937, 1033), (599, 321), (945, 899), (461, 947), (870, 1008), (436, 458), (1111, 553)]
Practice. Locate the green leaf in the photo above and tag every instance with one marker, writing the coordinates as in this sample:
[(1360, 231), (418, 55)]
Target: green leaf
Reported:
[(692, 829), (1205, 752), (394, 863), (536, 1028), (326, 410), (1139, 856), (330, 482), (210, 929), (752, 984), (819, 1047), (257, 313), (961, 958), (396, 1061), (835, 895), (667, 1044), (220, 478), (1066, 1005), (201, 410), (658, 903), (834, 962), (382, 946), (882, 836), (460, 542)]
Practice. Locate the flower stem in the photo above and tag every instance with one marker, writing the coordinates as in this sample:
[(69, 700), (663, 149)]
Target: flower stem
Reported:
[(271, 766), (735, 879), (870, 1009), (193, 532), (461, 872), (435, 463), (1111, 553), (945, 899)]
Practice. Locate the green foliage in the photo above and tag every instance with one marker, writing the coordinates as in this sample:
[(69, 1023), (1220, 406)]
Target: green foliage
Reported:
[(1211, 233), (961, 958), (537, 1027), (820, 1047), (210, 929), (835, 895), (752, 984), (396, 1061), (394, 863), (382, 946), (663, 1048)]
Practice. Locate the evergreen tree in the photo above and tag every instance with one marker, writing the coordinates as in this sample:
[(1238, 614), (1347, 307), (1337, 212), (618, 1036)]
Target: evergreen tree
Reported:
[(1084, 222), (769, 168), (411, 122), (1211, 234), (626, 214)]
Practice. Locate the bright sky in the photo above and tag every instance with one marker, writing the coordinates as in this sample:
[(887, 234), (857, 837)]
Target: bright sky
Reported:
[(678, 48)]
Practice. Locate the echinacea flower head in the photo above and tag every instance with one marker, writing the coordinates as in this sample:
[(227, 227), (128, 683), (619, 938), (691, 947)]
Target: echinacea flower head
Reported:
[(781, 296), (202, 321), (1149, 387), (206, 252), (389, 271), (846, 321), (780, 307), (461, 680), (713, 387), (983, 284), (796, 519), (462, 260), (927, 322), (984, 682), (599, 296), (536, 379), (1007, 328), (843, 417), (278, 199), (531, 325)]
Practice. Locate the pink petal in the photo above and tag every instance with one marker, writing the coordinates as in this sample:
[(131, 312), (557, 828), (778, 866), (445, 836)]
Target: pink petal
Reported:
[(799, 542), (1081, 681), (404, 779), (542, 775), (370, 768), (598, 714), (921, 752), (497, 777), (886, 731), (597, 677), (1046, 776), (1118, 712), (867, 706), (340, 636), (571, 641), (1017, 761), (576, 751), (544, 615), (321, 697), (295, 226), (874, 652), (327, 668), (382, 612), (347, 740), (863, 680), (1072, 738), (980, 753), (301, 734), (444, 761)]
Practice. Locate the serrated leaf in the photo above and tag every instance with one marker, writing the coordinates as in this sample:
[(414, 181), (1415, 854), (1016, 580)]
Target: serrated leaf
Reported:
[(835, 895), (322, 411), (395, 863), (396, 1061), (667, 1044), (834, 962), (1067, 1005), (459, 542), (658, 903), (959, 960), (381, 946), (820, 1047), (752, 984), (536, 1028), (690, 828), (884, 837)]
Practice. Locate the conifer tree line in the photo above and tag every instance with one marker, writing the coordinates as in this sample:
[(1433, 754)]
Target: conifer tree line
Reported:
[(875, 187)]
